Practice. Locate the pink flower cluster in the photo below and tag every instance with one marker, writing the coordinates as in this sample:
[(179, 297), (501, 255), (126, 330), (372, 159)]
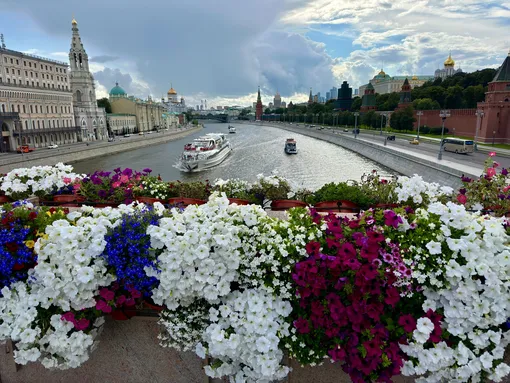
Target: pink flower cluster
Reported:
[(112, 298), (350, 301), (79, 324)]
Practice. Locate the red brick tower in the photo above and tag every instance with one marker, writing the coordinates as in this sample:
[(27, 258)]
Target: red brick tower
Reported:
[(258, 107), (405, 95), (495, 121)]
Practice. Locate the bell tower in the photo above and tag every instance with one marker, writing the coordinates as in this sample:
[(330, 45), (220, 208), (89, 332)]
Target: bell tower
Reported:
[(90, 118)]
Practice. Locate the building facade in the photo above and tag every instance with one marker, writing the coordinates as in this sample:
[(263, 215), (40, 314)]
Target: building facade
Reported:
[(448, 70), (87, 115), (384, 83), (120, 124), (277, 101), (36, 102), (333, 92), (173, 103), (405, 95), (149, 114)]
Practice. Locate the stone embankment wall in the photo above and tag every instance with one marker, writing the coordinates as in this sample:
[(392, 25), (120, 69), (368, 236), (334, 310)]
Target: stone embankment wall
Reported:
[(402, 163), (77, 153)]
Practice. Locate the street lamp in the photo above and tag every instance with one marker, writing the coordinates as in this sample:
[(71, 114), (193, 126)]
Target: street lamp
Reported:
[(419, 114), (479, 115), (493, 136), (382, 117), (356, 114), (443, 114)]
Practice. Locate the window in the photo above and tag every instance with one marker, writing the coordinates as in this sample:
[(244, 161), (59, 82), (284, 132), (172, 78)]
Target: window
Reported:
[(18, 108), (8, 81), (24, 63), (36, 108), (35, 65), (38, 125), (28, 82), (37, 75), (53, 86), (31, 109), (44, 85), (5, 60), (31, 74), (51, 108), (24, 110), (46, 67), (33, 83), (47, 109), (14, 80), (17, 62), (3, 108), (30, 64), (52, 77), (12, 62), (26, 124), (33, 124), (19, 72)]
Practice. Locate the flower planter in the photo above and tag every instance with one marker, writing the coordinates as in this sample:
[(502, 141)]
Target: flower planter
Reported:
[(68, 200), (4, 199), (123, 314), (239, 201), (385, 206), (186, 201), (149, 304), (337, 206), (285, 204), (105, 204), (149, 200)]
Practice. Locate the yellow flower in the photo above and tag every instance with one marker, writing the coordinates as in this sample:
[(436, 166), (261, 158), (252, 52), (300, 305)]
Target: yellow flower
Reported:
[(30, 244), (48, 214)]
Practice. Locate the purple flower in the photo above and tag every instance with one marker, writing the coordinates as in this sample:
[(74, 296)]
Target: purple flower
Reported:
[(501, 196), (462, 191), (127, 172), (465, 179), (504, 172), (147, 170), (102, 193)]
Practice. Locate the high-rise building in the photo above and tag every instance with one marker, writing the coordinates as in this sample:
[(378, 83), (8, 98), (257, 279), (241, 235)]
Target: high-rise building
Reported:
[(258, 108), (344, 99), (87, 115), (328, 96), (284, 105), (277, 100), (333, 92)]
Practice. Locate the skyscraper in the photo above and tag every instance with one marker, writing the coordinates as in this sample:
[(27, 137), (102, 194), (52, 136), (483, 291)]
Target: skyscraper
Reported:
[(333, 92), (277, 102), (344, 100), (328, 96)]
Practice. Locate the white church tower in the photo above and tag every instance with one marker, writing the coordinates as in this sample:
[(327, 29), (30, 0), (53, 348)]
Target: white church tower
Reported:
[(87, 115)]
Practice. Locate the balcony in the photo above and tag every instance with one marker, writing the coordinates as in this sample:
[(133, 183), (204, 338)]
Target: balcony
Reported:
[(9, 116), (33, 132)]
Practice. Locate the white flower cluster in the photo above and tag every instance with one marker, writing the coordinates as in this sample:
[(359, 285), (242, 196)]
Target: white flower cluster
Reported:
[(183, 328), (54, 345), (201, 251), (472, 287), (37, 179), (416, 189), (245, 334)]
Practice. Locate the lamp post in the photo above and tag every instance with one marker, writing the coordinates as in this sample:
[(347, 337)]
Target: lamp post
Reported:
[(443, 114), (356, 114), (380, 130), (493, 136), (419, 114), (479, 115)]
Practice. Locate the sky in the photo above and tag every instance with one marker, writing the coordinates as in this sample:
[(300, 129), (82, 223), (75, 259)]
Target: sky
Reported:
[(222, 50)]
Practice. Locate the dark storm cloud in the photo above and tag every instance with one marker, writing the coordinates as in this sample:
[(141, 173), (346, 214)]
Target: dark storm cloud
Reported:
[(109, 77), (219, 47), (103, 59)]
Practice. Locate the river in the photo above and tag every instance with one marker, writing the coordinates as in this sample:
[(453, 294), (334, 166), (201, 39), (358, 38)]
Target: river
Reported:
[(257, 149)]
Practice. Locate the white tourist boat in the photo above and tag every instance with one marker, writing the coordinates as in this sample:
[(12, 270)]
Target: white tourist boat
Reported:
[(204, 152), (231, 129)]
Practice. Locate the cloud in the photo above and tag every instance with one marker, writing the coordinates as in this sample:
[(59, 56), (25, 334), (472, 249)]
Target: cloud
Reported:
[(103, 58), (221, 49), (108, 77)]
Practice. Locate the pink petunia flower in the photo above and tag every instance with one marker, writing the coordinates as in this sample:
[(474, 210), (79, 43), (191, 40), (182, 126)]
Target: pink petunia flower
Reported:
[(462, 198), (82, 324), (67, 180), (491, 172), (492, 154)]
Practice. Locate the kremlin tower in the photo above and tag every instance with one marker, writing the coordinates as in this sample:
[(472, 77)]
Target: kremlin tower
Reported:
[(258, 107)]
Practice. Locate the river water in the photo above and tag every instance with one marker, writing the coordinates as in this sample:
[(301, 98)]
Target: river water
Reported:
[(256, 149)]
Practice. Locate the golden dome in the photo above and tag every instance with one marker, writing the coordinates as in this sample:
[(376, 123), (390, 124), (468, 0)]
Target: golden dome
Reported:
[(382, 73), (74, 22), (414, 78), (172, 91), (449, 61)]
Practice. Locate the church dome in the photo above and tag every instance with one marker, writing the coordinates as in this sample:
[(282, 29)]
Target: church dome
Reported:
[(381, 75), (172, 91), (117, 91), (449, 61), (414, 78)]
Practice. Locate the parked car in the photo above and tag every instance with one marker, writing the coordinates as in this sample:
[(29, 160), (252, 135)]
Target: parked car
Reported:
[(24, 149), (111, 139), (355, 131), (52, 146), (414, 142), (127, 135), (149, 132), (140, 134), (390, 138), (346, 130)]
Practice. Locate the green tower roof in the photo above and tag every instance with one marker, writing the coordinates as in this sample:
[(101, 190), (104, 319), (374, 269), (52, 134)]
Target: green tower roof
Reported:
[(503, 73), (117, 91)]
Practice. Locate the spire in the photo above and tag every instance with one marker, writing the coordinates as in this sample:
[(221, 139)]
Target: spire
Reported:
[(258, 96), (310, 98), (77, 55), (503, 73)]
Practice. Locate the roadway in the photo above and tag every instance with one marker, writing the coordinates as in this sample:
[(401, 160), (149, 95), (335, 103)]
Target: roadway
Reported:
[(10, 157), (425, 149)]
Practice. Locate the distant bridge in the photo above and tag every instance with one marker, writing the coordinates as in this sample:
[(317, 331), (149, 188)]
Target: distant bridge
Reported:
[(217, 117)]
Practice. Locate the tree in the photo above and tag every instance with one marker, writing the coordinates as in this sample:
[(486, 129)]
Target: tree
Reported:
[(426, 104), (105, 103), (454, 99), (472, 95), (267, 111), (403, 119), (369, 119), (356, 104)]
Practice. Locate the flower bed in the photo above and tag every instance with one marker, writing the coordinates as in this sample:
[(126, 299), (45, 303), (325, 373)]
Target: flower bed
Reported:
[(421, 289)]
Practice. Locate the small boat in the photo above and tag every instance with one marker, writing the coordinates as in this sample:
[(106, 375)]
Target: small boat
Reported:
[(290, 146), (204, 152), (231, 129)]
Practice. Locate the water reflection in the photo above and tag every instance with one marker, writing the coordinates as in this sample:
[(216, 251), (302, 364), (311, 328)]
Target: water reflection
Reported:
[(257, 149)]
